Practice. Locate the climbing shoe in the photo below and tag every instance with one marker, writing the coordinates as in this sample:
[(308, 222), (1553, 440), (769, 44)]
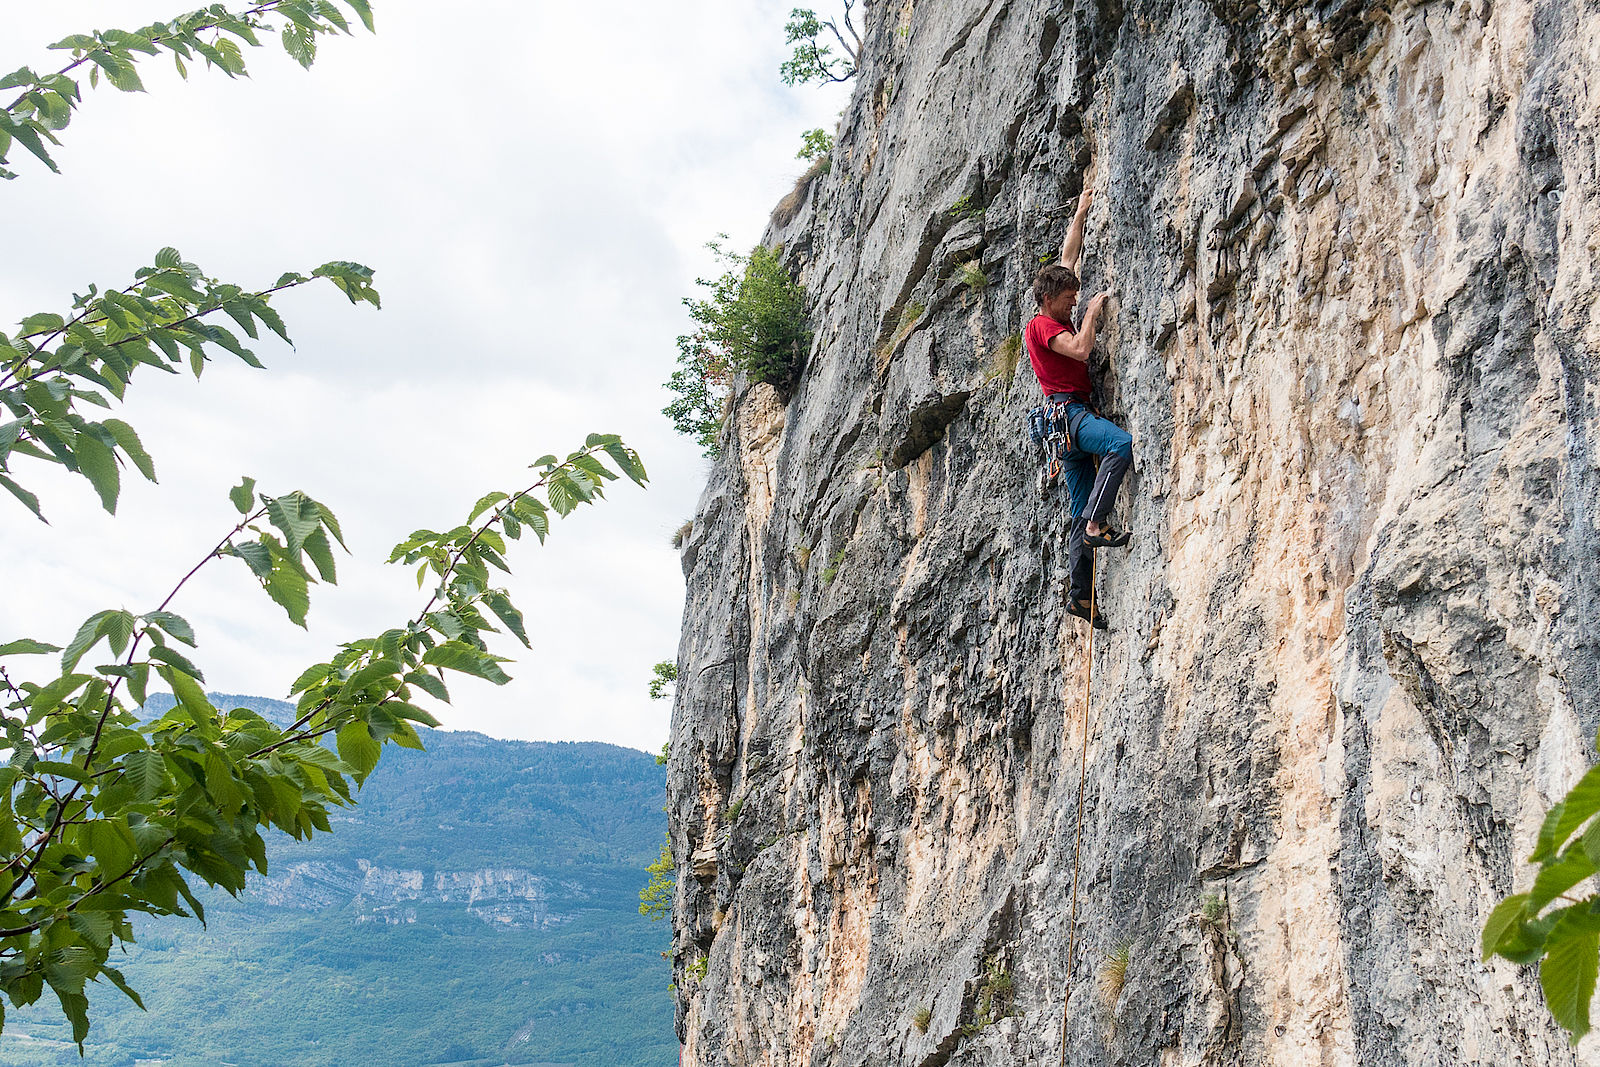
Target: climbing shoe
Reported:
[(1080, 608), (1107, 538)]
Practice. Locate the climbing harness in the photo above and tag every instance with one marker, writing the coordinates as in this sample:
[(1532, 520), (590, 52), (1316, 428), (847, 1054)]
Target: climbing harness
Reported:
[(1047, 427), (1077, 844)]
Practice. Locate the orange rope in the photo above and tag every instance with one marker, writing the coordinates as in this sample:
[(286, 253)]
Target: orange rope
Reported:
[(1077, 844)]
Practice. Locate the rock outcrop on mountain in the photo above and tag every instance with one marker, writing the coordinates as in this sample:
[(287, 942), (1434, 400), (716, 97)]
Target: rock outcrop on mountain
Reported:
[(1353, 654)]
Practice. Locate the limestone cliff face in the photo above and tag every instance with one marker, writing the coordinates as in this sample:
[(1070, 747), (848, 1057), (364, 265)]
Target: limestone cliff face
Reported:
[(1353, 649)]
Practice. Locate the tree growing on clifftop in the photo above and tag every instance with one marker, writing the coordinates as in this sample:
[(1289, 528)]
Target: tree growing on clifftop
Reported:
[(813, 59), (103, 812)]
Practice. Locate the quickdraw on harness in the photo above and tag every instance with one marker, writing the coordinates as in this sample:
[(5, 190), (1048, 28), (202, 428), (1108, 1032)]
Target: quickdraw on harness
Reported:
[(1047, 426)]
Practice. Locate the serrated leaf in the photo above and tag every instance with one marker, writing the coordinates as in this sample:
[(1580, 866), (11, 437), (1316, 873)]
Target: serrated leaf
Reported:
[(27, 647), (458, 656), (564, 493), (1557, 876), (86, 637), (287, 587), (29, 500), (257, 556), (484, 504), (177, 661), (295, 516), (122, 983), (97, 463), (128, 441), (358, 748), (321, 554), (1563, 820), (430, 684), (190, 696), (1567, 973), (175, 625), (628, 460), (507, 613), (147, 770)]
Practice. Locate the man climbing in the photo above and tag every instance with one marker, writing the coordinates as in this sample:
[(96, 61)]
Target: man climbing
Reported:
[(1060, 357)]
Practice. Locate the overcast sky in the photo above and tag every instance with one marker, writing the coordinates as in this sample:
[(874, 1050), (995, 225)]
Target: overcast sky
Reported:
[(533, 183)]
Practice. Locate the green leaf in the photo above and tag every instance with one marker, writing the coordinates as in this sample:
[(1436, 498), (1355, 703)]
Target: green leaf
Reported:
[(85, 639), (122, 983), (1567, 974), (1563, 820), (628, 460), (507, 613), (99, 465), (190, 696), (287, 587), (430, 684), (597, 471), (61, 770), (29, 501), (95, 927), (147, 770), (411, 712), (177, 661), (321, 553), (459, 656), (243, 495), (256, 555), (128, 441), (484, 504), (312, 676), (564, 493), (27, 647), (74, 1005), (175, 625), (50, 697), (358, 748), (296, 516), (1557, 877), (363, 10), (44, 322), (112, 848)]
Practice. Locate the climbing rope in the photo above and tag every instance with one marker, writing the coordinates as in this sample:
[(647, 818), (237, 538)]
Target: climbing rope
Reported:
[(1077, 844)]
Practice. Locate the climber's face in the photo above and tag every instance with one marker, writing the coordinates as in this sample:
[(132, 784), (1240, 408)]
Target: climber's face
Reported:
[(1059, 307)]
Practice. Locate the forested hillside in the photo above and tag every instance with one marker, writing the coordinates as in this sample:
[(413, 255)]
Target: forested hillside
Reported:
[(479, 907)]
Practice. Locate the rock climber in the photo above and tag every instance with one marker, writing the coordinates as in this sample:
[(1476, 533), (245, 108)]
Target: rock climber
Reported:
[(1059, 353)]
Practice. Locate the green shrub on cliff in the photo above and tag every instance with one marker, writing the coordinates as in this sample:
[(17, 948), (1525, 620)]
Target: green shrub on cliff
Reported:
[(754, 324)]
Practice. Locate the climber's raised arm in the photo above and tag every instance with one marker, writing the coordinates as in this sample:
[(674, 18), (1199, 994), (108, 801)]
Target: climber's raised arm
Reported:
[(1072, 246)]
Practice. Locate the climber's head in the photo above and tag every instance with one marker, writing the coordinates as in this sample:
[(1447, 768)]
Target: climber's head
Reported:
[(1056, 290)]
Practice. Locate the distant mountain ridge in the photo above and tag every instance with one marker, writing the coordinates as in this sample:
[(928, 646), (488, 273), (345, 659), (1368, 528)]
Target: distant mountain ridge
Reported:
[(478, 906)]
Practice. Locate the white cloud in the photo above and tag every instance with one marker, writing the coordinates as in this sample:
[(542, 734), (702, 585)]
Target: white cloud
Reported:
[(533, 183)]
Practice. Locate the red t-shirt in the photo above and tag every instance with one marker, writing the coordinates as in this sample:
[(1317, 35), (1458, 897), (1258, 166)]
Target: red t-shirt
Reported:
[(1056, 373)]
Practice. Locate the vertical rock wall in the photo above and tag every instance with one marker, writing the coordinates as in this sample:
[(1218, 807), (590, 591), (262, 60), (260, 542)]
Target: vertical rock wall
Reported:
[(1353, 652)]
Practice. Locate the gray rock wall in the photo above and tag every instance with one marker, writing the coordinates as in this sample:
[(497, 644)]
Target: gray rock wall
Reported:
[(1353, 656)]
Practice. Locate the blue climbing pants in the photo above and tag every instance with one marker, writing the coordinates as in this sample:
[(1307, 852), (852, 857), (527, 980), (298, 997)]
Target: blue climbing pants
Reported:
[(1093, 492)]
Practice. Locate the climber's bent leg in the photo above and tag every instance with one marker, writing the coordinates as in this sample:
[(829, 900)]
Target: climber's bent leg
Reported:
[(1077, 472), (1115, 447)]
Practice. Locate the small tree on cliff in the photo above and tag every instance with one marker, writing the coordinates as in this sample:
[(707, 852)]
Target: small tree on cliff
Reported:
[(103, 813), (813, 59), (753, 323)]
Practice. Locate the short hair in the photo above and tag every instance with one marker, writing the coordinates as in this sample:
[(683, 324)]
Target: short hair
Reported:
[(1053, 280)]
